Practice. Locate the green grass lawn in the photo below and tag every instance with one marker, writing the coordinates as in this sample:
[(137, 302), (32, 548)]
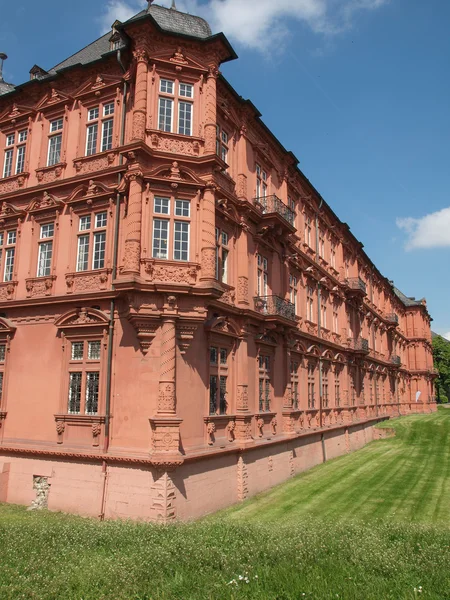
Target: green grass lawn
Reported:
[(373, 525)]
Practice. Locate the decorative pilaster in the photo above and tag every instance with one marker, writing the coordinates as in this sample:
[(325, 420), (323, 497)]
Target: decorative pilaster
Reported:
[(166, 396), (208, 234), (242, 479), (132, 255), (140, 97), (211, 111)]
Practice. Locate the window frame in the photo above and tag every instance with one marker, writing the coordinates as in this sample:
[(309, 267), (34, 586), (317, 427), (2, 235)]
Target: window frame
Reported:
[(54, 134), (46, 241), (98, 121), (176, 100), (91, 233), (171, 219), (5, 247), (222, 257), (14, 143)]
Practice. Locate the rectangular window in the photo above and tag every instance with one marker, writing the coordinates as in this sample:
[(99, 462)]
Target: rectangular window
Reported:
[(218, 380), (77, 351), (108, 109), (186, 90), (161, 206), (325, 389), (222, 255), (93, 114), (100, 220), (181, 241), (295, 384), (261, 182), (182, 208), (264, 383), (2, 353), (165, 114), (74, 393), (91, 141), (310, 303), (98, 260), (83, 253), (20, 161), (56, 125), (7, 166), (92, 385), (94, 350), (293, 291), (107, 135), (335, 320), (333, 256), (10, 139), (45, 250), (85, 223), (311, 386), (321, 248), (160, 238), (337, 389), (7, 254), (23, 136), (308, 231), (9, 263), (185, 118), (222, 143), (262, 276), (54, 150), (166, 86), (323, 311)]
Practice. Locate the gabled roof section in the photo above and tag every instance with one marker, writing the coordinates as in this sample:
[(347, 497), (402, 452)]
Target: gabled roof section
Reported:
[(174, 21)]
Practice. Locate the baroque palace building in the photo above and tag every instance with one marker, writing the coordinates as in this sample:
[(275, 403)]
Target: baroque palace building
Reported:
[(184, 321)]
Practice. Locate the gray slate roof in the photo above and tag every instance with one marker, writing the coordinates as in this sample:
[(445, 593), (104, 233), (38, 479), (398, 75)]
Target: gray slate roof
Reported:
[(169, 19), (407, 301), (5, 87)]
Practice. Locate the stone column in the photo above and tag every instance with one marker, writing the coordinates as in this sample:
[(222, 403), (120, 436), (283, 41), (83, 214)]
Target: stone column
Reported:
[(209, 234), (140, 95), (167, 393), (132, 255), (211, 111)]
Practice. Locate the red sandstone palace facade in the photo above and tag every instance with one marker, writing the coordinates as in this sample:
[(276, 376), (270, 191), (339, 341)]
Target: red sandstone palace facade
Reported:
[(184, 321)]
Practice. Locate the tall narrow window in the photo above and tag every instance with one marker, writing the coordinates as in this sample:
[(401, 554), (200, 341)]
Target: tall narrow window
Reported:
[(308, 231), (15, 151), (55, 142), (2, 368), (335, 319), (181, 231), (325, 397), (84, 377), (7, 253), (264, 383), (310, 303), (295, 384), (222, 143), (311, 385), (337, 388), (293, 291), (45, 250), (262, 275), (261, 182), (218, 380), (333, 255), (222, 250), (321, 248), (323, 314)]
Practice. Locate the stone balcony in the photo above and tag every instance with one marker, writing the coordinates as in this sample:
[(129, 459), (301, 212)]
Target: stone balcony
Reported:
[(392, 319), (359, 345), (356, 286), (395, 360), (273, 206), (275, 306)]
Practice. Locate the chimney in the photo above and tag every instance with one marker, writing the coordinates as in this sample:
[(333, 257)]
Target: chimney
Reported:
[(3, 57)]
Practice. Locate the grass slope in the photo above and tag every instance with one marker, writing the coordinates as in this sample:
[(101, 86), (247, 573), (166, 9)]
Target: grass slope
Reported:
[(368, 526)]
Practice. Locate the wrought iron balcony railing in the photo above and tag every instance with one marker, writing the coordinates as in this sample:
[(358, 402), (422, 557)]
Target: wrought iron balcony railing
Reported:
[(392, 318), (360, 345), (275, 306), (356, 284), (395, 360), (272, 204)]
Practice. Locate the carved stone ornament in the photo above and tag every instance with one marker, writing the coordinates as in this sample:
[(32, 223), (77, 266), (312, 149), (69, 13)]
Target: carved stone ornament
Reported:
[(166, 398), (210, 430), (39, 286), (230, 431), (242, 398), (146, 328), (185, 335), (82, 317), (167, 272), (273, 424), (260, 426)]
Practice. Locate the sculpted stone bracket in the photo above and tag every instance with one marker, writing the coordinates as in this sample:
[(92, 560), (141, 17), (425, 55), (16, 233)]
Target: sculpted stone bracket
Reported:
[(39, 286), (8, 290), (165, 443), (146, 327), (225, 425), (185, 334)]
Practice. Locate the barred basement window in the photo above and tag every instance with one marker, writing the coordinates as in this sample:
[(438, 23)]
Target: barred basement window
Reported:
[(84, 377), (264, 383), (218, 359), (311, 385)]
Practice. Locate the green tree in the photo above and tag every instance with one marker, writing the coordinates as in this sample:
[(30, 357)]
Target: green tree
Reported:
[(441, 355)]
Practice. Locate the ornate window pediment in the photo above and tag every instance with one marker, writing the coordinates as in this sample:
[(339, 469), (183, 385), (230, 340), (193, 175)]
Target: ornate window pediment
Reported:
[(8, 212), (47, 202), (82, 318)]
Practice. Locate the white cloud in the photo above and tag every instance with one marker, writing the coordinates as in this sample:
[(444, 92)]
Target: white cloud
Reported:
[(430, 231), (258, 24), (447, 336)]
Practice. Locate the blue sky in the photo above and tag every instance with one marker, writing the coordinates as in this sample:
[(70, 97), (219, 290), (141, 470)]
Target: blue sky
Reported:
[(357, 89)]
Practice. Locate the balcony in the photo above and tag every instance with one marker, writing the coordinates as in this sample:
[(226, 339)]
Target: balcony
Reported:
[(273, 206), (392, 319), (275, 306), (395, 360), (360, 345), (356, 286)]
